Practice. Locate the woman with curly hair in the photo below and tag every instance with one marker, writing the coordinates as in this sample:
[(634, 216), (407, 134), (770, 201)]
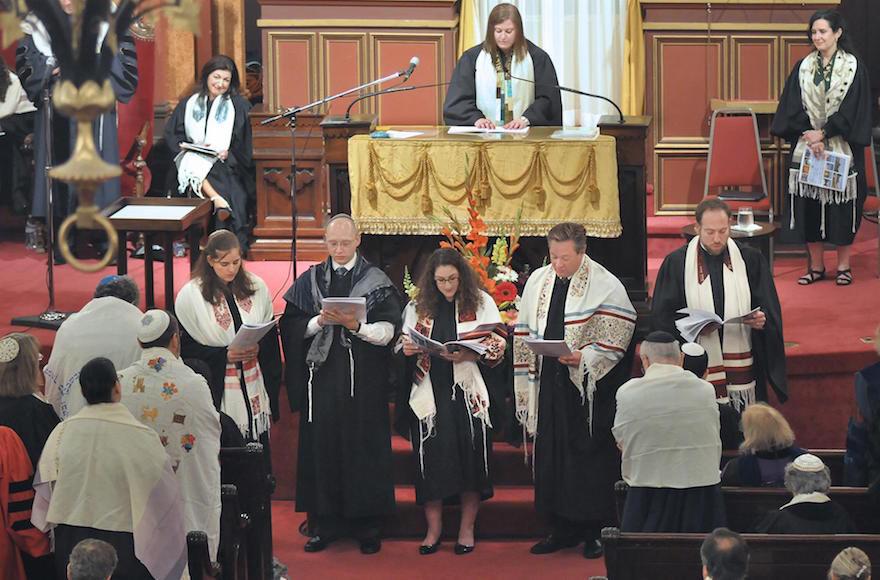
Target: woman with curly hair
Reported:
[(448, 412)]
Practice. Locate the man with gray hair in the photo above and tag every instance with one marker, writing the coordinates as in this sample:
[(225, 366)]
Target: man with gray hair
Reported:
[(668, 431), (810, 510), (107, 326), (92, 560)]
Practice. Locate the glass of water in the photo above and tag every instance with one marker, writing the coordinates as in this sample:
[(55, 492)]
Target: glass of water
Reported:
[(745, 218)]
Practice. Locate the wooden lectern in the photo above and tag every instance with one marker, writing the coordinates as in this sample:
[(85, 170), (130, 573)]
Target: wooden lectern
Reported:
[(337, 130)]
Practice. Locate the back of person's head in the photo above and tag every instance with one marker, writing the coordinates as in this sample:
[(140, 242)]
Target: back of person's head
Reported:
[(725, 555), (92, 560), (97, 379), (765, 429), (807, 474), (696, 359), (850, 564), (157, 329), (660, 347), (19, 365), (122, 287)]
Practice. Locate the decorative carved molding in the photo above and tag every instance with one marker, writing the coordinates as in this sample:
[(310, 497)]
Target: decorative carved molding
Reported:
[(279, 179)]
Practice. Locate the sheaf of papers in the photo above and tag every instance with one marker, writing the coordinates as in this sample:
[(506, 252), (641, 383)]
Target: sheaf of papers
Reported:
[(830, 172), (432, 346), (356, 306), (403, 134), (153, 212), (555, 348), (696, 320), (463, 130), (203, 149), (249, 335), (580, 133)]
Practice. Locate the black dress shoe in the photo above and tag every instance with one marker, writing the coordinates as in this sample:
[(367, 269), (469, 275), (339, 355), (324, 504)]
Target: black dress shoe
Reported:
[(371, 545), (318, 543), (432, 549), (462, 549), (593, 549), (554, 543)]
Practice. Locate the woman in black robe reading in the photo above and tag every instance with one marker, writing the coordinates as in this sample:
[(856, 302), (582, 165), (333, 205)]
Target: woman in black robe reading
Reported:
[(216, 120), (445, 409), (826, 106), (505, 81)]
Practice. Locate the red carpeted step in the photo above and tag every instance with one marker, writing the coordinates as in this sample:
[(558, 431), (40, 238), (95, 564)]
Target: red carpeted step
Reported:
[(509, 514)]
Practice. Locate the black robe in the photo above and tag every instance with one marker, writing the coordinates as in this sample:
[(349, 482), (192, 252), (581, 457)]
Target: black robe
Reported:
[(575, 471), (669, 510), (234, 178), (344, 467), (768, 347), (852, 122), (460, 107), (453, 457), (808, 518), (31, 419), (759, 469)]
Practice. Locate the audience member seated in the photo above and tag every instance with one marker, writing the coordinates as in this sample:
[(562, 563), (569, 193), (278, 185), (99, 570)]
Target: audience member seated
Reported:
[(862, 462), (107, 326), (810, 511), (725, 556), (17, 535), (850, 564), (696, 360), (22, 408), (92, 560), (104, 475), (16, 122), (668, 431), (767, 449), (170, 398)]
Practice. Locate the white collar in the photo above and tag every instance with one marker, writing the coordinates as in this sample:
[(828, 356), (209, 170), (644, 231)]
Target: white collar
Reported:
[(348, 266), (661, 369), (814, 497)]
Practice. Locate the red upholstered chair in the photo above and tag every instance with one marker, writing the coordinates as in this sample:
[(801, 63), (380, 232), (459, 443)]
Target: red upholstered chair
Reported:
[(872, 202), (735, 161)]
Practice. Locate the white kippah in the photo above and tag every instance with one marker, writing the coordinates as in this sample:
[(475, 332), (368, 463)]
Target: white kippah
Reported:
[(809, 462), (153, 324), (8, 349), (692, 349)]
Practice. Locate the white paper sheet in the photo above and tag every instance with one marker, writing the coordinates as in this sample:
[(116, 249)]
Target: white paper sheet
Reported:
[(502, 130), (356, 306), (153, 212), (403, 134), (555, 348)]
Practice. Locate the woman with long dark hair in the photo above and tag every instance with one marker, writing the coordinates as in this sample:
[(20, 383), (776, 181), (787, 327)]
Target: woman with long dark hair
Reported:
[(447, 415), (826, 106), (215, 118), (211, 307)]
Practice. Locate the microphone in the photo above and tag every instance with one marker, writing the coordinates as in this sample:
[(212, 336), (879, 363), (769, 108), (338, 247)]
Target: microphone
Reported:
[(413, 63), (397, 89), (576, 92)]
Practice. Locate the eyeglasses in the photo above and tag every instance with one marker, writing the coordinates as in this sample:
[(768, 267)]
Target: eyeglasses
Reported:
[(450, 280)]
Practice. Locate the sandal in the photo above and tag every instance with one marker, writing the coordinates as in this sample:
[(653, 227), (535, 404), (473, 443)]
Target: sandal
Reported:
[(221, 208), (811, 276), (844, 277)]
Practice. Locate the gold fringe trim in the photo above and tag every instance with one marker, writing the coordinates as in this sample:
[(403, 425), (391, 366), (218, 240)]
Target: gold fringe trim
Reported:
[(528, 227)]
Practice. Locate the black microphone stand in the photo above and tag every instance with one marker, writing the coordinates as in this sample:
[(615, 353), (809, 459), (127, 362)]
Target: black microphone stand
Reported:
[(621, 120), (396, 89)]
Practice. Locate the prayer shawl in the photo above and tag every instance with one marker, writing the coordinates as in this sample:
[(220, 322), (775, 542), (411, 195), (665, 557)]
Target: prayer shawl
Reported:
[(599, 321), (813, 497), (105, 327), (215, 132), (102, 469), (467, 375), (212, 325), (170, 398), (494, 91), (369, 282), (15, 102), (730, 363), (820, 105)]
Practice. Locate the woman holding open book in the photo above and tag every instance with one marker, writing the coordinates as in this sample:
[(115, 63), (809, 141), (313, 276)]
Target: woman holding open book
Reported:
[(210, 134), (825, 107), (447, 415), (211, 307)]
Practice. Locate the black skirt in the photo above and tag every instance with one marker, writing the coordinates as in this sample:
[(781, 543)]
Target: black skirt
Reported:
[(691, 510)]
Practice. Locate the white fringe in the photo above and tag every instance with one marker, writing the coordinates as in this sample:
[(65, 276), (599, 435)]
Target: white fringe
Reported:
[(311, 375), (822, 195), (427, 429), (351, 370), (741, 396)]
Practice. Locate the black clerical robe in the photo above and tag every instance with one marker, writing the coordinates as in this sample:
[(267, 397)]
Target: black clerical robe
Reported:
[(768, 347), (808, 518), (32, 420), (460, 107), (344, 466)]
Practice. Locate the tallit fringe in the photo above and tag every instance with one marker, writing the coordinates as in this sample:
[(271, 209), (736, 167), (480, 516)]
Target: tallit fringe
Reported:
[(311, 376), (427, 429), (262, 424), (483, 417), (351, 371), (741, 396), (823, 195)]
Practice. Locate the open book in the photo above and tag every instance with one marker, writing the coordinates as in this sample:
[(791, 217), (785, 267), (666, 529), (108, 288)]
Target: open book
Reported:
[(204, 150), (356, 306), (432, 346), (249, 335), (554, 348), (696, 320)]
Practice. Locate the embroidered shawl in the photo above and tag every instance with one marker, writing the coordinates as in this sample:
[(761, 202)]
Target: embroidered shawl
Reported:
[(209, 128), (492, 88)]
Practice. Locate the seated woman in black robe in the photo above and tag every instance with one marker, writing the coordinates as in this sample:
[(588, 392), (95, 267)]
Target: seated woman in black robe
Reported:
[(444, 409), (810, 511), (216, 119), (505, 81), (767, 449)]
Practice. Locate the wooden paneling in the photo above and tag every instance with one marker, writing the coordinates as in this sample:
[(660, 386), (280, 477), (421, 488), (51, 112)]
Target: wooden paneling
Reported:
[(293, 62), (393, 51), (681, 177), (756, 53), (342, 66)]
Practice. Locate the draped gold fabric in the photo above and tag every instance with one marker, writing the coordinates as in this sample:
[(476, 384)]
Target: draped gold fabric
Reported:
[(402, 186), (633, 84)]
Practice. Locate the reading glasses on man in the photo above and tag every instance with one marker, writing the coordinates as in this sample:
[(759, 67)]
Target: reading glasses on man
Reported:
[(450, 280)]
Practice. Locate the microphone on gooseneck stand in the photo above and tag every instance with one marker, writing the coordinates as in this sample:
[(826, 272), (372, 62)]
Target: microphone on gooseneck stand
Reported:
[(413, 63), (397, 89), (573, 91)]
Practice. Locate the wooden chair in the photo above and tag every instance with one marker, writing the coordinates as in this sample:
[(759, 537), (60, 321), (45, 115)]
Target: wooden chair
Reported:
[(630, 556), (871, 210), (198, 560)]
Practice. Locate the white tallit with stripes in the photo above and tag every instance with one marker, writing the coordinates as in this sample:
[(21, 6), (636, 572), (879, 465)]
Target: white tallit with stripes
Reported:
[(519, 94)]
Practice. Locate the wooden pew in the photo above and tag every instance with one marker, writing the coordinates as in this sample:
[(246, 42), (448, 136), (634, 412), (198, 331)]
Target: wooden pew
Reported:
[(248, 469), (198, 560), (745, 506), (233, 535), (833, 458), (631, 556)]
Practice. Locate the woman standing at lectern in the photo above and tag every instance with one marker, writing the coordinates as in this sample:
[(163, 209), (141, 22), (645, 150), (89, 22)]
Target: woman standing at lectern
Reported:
[(486, 90)]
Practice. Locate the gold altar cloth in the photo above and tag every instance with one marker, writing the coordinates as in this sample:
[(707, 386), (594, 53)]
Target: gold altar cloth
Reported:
[(399, 186)]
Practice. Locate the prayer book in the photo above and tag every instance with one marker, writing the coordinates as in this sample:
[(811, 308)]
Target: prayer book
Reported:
[(249, 335), (829, 172), (356, 306), (696, 320), (432, 346), (554, 348), (199, 149)]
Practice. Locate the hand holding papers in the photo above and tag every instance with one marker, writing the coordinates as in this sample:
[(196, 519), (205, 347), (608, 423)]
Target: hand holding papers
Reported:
[(692, 325), (249, 335), (431, 346), (355, 308), (554, 348), (464, 130), (203, 149)]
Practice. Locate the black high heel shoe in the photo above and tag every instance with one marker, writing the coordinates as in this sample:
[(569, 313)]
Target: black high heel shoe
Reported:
[(427, 550), (461, 549)]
